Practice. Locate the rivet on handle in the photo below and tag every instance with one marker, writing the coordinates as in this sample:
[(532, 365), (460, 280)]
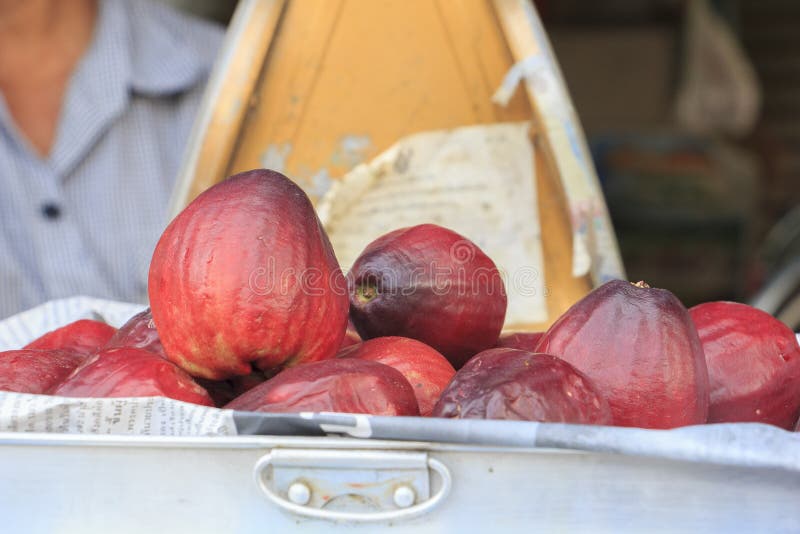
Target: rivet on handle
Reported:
[(404, 496), (299, 493)]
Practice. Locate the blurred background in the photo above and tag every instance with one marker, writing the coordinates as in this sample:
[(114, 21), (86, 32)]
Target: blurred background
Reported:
[(691, 110)]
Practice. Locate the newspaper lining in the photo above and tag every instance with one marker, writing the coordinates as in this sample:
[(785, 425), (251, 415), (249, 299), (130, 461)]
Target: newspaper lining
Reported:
[(144, 416)]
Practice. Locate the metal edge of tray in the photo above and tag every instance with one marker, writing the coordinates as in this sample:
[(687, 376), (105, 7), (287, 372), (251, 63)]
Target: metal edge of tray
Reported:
[(255, 442)]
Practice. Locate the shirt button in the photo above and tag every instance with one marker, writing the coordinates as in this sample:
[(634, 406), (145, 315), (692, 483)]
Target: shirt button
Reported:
[(51, 211)]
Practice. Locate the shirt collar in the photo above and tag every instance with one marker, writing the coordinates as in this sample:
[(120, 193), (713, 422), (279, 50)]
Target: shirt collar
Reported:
[(160, 59), (133, 51), (135, 40)]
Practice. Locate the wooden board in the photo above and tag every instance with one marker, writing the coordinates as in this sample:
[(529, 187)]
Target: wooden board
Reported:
[(342, 80)]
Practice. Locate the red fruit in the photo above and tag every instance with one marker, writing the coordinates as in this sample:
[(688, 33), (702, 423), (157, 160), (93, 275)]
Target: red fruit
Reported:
[(138, 333), (638, 344), (351, 336), (84, 336), (132, 373), (753, 364), (245, 277), (426, 370), (431, 284), (520, 340), (513, 384), (36, 371), (341, 385)]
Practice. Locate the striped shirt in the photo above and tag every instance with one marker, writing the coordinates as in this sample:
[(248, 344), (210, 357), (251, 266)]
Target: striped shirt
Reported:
[(84, 220)]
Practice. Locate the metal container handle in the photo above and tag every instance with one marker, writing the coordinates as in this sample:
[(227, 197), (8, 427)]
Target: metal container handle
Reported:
[(355, 517)]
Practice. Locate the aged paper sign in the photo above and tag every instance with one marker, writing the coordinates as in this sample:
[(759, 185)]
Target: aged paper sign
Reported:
[(476, 180)]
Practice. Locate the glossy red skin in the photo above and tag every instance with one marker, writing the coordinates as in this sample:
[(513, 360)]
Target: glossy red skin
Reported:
[(520, 340), (639, 345), (426, 370), (245, 277), (132, 373), (36, 371), (84, 336), (432, 285), (753, 364), (138, 333), (513, 384), (342, 385), (351, 336)]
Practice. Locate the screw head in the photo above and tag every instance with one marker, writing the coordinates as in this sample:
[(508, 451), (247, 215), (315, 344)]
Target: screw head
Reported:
[(299, 493), (404, 496)]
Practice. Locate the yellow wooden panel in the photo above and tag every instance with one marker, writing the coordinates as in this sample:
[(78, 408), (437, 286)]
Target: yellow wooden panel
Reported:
[(226, 101), (425, 67), (483, 58), (292, 68), (345, 79)]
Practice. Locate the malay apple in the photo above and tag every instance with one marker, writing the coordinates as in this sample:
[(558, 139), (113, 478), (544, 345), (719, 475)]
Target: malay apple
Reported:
[(85, 336), (640, 347), (138, 332), (753, 364), (505, 383), (131, 372), (428, 283), (341, 385), (36, 371), (245, 278), (426, 369)]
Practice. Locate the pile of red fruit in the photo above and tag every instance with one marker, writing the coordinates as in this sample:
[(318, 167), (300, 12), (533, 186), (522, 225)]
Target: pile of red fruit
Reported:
[(250, 311)]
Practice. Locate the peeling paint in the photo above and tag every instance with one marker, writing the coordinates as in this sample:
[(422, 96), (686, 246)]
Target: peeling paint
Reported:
[(274, 157), (320, 183), (352, 150)]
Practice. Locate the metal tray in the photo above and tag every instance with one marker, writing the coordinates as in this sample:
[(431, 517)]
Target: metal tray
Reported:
[(73, 483)]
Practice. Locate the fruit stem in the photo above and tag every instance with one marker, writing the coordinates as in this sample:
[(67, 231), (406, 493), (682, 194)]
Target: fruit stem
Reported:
[(366, 293), (642, 284)]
